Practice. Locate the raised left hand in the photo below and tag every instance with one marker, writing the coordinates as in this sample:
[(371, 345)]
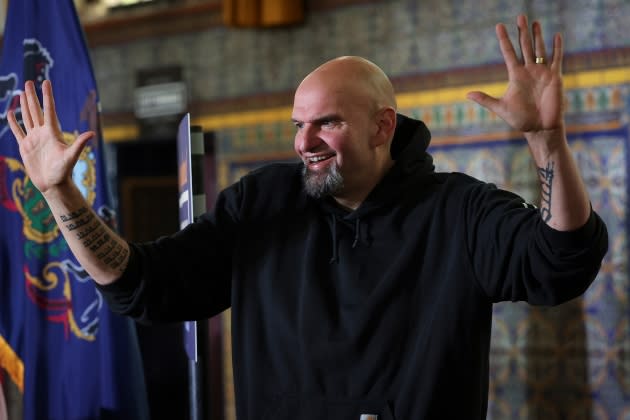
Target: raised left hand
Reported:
[(533, 101)]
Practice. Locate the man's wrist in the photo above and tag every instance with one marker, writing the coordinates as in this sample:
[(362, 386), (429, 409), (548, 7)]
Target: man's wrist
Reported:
[(61, 192), (547, 143)]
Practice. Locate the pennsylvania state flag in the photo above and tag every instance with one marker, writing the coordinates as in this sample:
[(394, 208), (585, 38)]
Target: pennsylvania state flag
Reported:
[(63, 354)]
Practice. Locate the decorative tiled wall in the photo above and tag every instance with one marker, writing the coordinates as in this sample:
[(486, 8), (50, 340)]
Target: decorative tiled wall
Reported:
[(404, 37)]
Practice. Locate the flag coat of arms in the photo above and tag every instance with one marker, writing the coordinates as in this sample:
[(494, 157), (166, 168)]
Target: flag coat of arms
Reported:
[(62, 352)]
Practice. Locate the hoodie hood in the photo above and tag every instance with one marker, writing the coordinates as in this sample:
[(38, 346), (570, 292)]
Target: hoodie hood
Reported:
[(412, 164), (409, 145)]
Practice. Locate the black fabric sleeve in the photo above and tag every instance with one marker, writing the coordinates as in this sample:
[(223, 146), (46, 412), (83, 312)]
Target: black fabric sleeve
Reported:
[(516, 256), (121, 294), (185, 276)]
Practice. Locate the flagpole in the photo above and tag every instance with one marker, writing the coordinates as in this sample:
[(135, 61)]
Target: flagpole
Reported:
[(192, 203), (197, 380)]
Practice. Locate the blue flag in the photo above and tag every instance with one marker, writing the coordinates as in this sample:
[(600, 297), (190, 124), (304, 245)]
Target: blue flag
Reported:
[(61, 348)]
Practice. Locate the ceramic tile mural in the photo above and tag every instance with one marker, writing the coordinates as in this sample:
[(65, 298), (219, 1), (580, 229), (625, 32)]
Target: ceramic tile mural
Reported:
[(402, 36)]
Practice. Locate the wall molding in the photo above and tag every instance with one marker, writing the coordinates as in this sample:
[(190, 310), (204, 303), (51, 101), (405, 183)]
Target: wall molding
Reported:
[(413, 91), (156, 23), (174, 20)]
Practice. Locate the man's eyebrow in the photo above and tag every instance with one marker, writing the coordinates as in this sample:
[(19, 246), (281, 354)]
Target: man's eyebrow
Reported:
[(319, 120)]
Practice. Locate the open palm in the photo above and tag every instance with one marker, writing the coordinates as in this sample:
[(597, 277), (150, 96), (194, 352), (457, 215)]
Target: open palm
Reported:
[(47, 159), (533, 101)]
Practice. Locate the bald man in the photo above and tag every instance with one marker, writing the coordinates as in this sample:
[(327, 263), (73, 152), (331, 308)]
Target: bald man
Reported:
[(361, 281), (345, 114)]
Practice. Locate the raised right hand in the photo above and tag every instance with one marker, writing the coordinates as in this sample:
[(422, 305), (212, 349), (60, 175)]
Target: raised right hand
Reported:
[(47, 159)]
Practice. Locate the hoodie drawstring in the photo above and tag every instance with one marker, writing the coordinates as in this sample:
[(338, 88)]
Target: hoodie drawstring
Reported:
[(335, 256), (357, 233), (335, 239)]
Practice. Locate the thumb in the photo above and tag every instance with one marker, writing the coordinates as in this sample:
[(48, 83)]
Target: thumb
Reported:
[(79, 143), (484, 100)]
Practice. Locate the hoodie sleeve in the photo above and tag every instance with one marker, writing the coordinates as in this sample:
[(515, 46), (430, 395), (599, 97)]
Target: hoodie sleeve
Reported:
[(184, 276), (516, 256)]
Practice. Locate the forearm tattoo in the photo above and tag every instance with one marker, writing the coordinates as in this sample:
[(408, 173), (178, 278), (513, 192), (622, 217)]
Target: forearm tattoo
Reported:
[(546, 179), (94, 236)]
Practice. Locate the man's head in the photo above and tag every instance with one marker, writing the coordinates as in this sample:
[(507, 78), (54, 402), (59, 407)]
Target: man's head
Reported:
[(345, 114)]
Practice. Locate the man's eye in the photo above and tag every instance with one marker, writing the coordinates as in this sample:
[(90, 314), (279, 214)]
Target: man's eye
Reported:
[(298, 125)]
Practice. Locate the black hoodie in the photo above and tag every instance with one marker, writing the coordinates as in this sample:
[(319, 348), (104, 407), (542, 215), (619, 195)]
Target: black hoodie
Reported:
[(385, 310)]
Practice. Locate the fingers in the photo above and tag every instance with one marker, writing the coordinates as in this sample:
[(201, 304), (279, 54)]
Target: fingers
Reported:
[(35, 109), (15, 126), (26, 113), (525, 40), (485, 100), (556, 61), (540, 50), (507, 49), (79, 143), (32, 114), (532, 44), (50, 114), (539, 42)]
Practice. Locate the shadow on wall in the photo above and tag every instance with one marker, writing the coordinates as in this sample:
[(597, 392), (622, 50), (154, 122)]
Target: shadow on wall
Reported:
[(556, 368)]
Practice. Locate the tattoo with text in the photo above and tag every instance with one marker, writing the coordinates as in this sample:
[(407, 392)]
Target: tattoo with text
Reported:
[(73, 215), (93, 234), (546, 178)]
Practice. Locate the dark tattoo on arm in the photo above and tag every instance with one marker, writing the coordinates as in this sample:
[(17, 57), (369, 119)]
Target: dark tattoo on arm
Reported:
[(94, 236), (546, 179), (73, 215)]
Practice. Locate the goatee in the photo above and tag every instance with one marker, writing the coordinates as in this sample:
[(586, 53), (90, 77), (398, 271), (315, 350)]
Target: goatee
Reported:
[(322, 184)]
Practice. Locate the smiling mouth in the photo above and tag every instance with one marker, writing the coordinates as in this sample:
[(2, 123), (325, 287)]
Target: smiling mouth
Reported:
[(314, 160)]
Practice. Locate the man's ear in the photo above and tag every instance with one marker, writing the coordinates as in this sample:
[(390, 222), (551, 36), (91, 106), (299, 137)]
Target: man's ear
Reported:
[(386, 125)]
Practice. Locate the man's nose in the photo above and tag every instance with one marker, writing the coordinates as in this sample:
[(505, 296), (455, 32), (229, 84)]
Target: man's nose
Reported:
[(309, 137)]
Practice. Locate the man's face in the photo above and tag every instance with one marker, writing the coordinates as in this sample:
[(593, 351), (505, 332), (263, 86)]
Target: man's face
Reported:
[(332, 138)]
